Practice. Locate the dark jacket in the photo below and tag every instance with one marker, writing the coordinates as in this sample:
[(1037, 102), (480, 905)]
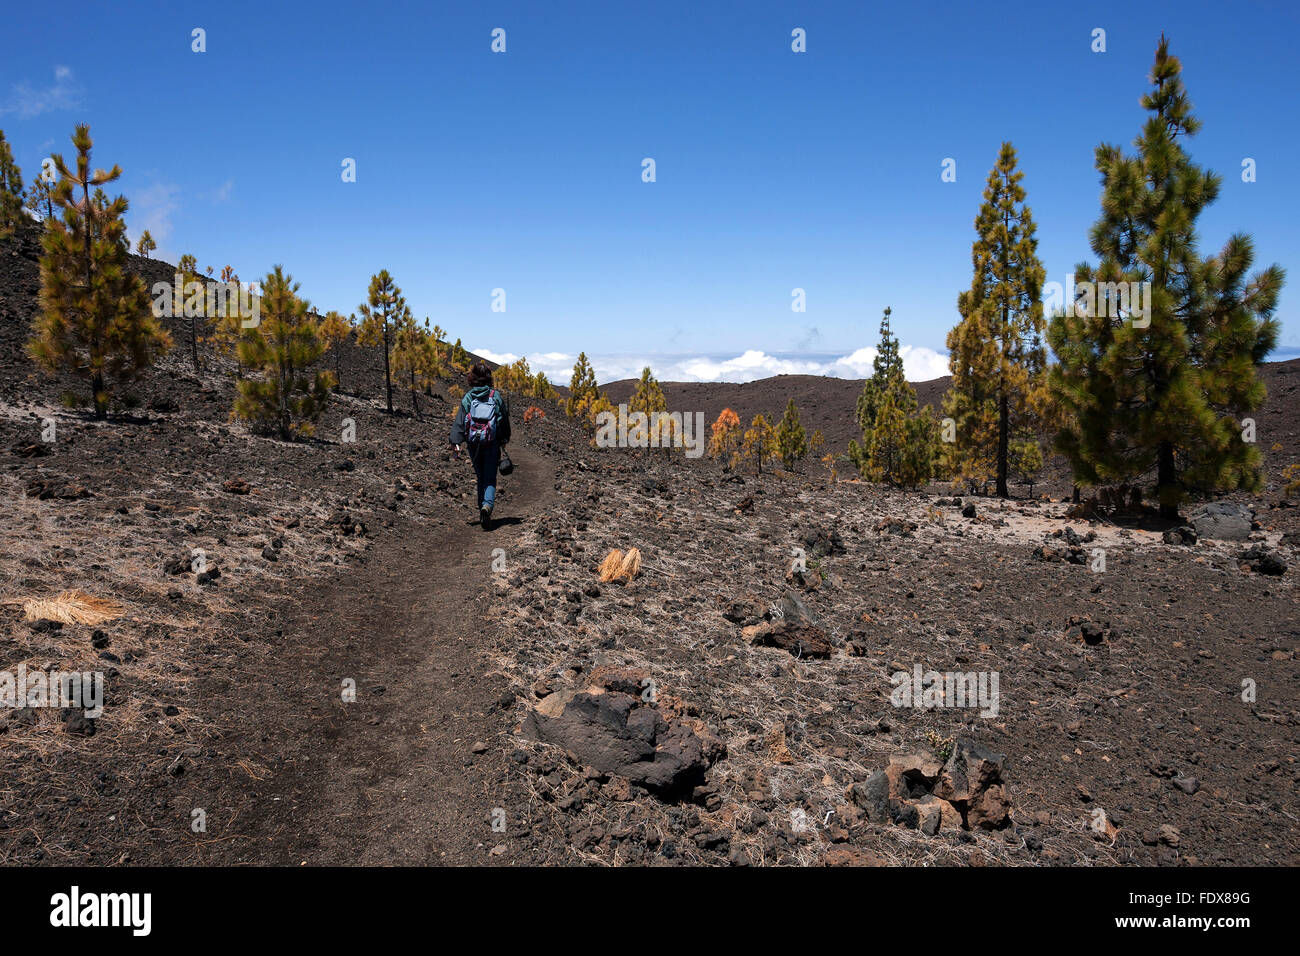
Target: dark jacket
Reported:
[(503, 414)]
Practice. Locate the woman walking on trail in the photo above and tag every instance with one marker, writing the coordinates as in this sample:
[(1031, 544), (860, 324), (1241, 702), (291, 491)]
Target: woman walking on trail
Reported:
[(483, 426)]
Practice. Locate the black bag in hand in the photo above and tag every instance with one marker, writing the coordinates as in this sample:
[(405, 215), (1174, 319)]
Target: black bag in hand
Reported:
[(505, 466)]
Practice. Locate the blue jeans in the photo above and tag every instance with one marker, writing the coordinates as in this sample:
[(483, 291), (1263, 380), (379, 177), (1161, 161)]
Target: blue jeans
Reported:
[(486, 456)]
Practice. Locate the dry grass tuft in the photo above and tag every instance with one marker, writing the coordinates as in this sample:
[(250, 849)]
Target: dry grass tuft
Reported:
[(70, 607), (609, 567), (618, 566), (631, 564)]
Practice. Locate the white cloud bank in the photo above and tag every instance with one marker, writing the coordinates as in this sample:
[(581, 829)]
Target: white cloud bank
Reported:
[(920, 365)]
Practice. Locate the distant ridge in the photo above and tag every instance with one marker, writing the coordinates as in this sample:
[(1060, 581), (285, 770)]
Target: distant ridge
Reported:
[(824, 402), (830, 403)]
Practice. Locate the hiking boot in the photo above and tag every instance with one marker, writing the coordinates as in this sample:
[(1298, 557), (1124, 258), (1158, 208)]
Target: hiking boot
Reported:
[(485, 517)]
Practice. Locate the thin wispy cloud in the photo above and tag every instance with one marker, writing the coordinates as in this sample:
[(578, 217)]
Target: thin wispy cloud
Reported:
[(152, 208), (222, 193), (27, 101)]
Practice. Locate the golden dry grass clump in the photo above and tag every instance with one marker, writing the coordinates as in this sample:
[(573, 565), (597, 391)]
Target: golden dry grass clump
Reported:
[(70, 607), (618, 566)]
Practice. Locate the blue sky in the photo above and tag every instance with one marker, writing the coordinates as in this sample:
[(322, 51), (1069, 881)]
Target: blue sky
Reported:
[(522, 171)]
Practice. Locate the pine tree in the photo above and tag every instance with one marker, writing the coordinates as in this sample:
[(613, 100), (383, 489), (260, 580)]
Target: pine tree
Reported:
[(96, 320), (288, 396), (542, 387), (596, 408), (11, 189), (228, 324), (996, 352), (412, 355), (724, 442), (649, 398), (920, 450), (438, 334), (888, 440), (900, 450), (759, 443), (887, 375), (515, 377), (40, 199), (459, 357), (886, 367), (583, 389), (146, 244), (969, 402), (378, 315), (897, 442), (791, 441), (1165, 392), (585, 400), (334, 330)]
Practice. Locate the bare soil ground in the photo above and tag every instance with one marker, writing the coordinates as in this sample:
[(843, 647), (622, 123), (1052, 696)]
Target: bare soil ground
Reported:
[(358, 561), (1108, 727)]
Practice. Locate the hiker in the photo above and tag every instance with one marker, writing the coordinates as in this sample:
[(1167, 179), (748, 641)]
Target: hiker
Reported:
[(483, 426)]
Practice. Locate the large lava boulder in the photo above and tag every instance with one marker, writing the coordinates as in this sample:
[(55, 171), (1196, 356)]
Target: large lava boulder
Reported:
[(624, 735), (1223, 520)]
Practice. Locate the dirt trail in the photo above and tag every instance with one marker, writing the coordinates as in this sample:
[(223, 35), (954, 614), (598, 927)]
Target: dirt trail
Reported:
[(391, 778)]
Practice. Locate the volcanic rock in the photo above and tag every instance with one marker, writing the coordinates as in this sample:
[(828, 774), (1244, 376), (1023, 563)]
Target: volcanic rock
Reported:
[(622, 735), (1224, 520)]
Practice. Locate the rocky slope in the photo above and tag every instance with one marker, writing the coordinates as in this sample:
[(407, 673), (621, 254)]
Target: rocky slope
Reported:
[(736, 701)]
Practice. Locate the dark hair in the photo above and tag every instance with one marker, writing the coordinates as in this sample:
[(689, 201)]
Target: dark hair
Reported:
[(478, 375)]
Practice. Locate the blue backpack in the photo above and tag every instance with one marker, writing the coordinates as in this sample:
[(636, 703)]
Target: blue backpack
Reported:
[(481, 418)]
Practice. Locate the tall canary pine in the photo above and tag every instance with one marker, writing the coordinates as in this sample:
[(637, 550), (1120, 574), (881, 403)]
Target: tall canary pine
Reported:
[(96, 321), (897, 444), (996, 352), (380, 313), (886, 368), (335, 329), (1161, 391)]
